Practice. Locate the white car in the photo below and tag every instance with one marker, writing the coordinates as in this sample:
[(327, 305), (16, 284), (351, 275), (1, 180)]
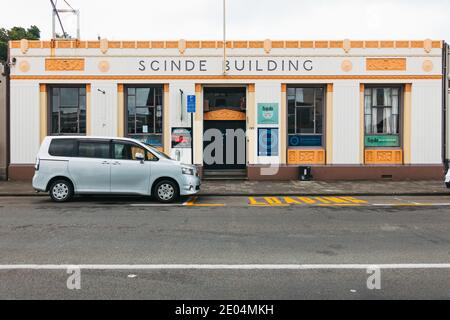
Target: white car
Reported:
[(447, 179), (68, 166)]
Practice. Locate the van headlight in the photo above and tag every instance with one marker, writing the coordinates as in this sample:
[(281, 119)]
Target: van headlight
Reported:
[(188, 171)]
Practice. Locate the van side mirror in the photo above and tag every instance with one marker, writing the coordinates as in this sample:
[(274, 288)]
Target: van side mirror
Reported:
[(139, 156)]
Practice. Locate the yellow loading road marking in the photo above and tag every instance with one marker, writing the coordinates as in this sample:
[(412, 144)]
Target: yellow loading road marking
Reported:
[(192, 203), (320, 201)]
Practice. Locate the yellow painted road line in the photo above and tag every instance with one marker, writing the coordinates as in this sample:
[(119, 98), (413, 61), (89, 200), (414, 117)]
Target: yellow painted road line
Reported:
[(192, 203)]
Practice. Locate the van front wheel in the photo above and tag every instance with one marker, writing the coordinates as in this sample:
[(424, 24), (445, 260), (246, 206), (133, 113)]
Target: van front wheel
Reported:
[(166, 191), (61, 191)]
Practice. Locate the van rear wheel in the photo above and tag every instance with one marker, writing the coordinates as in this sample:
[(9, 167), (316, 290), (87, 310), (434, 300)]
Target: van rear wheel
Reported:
[(61, 191), (166, 191)]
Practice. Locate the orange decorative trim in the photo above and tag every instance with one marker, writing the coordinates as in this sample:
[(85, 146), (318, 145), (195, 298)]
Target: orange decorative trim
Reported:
[(42, 87), (224, 114), (251, 87), (402, 44), (64, 64), (292, 44), (372, 44), (386, 156), (225, 78), (330, 87), (321, 44), (166, 87), (357, 44), (172, 44), (120, 88), (283, 87), (437, 44), (88, 88), (336, 44), (277, 44), (240, 44), (157, 44), (61, 44), (387, 44), (35, 44), (143, 44), (297, 156), (96, 44), (193, 44), (129, 45), (220, 44), (253, 44), (306, 44), (408, 87), (198, 88), (417, 44), (394, 64), (256, 44), (208, 44), (361, 88)]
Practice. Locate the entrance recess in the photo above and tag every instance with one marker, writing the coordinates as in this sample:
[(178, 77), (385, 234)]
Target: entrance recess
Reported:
[(224, 138)]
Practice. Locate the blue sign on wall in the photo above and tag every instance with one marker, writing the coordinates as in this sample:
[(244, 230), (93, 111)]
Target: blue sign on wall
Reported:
[(305, 141), (191, 104), (268, 142)]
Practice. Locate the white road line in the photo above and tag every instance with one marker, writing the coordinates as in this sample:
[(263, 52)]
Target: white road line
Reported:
[(228, 267)]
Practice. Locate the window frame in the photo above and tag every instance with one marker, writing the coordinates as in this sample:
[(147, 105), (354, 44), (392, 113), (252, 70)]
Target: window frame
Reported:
[(126, 126), (401, 90), (50, 128), (324, 115)]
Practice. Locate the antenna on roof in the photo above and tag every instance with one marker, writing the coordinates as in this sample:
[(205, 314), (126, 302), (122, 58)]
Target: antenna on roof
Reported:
[(56, 15)]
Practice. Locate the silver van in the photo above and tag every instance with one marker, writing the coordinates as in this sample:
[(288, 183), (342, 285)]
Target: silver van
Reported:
[(68, 166)]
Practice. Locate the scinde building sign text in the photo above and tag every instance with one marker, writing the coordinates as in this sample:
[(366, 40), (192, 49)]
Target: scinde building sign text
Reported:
[(233, 66)]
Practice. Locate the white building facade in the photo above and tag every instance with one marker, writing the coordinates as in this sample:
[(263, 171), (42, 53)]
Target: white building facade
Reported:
[(348, 109)]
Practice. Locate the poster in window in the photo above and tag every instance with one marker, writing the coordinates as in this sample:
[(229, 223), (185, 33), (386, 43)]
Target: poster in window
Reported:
[(267, 113), (268, 140), (182, 138)]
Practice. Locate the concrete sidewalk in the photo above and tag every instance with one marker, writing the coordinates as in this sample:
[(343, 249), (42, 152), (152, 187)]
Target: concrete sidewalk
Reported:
[(280, 188)]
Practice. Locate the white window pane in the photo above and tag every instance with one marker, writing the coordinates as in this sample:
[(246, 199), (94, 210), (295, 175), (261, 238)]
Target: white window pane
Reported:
[(368, 104), (387, 97), (395, 105)]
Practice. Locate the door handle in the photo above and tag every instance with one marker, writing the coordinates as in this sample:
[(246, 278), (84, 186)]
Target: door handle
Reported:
[(105, 162), (117, 163)]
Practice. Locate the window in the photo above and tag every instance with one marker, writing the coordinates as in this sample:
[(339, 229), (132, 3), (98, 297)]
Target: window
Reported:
[(305, 116), (67, 110), (382, 116), (224, 98), (63, 148), (127, 151), (145, 113), (94, 149)]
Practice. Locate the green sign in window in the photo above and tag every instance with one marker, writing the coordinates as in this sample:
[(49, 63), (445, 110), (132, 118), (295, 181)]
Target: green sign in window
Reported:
[(382, 141)]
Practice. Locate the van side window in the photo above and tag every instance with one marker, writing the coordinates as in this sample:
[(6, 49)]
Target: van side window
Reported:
[(151, 157), (94, 149), (126, 151), (62, 148)]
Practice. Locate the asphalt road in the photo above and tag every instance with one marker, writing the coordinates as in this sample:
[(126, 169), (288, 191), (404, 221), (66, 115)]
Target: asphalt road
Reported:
[(253, 239)]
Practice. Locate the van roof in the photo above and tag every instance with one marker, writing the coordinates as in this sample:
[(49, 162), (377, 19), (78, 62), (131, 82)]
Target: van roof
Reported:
[(91, 137)]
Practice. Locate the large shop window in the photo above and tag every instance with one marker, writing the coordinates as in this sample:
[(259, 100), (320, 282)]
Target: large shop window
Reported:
[(144, 114), (382, 116), (305, 116), (68, 110)]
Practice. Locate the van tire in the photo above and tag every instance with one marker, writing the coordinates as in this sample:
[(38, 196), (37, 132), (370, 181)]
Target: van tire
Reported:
[(166, 191), (61, 190)]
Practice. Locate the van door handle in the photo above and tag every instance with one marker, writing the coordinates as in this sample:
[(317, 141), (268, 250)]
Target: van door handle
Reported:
[(117, 163), (105, 162)]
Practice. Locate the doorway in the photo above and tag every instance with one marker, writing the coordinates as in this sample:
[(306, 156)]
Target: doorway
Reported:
[(224, 131)]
